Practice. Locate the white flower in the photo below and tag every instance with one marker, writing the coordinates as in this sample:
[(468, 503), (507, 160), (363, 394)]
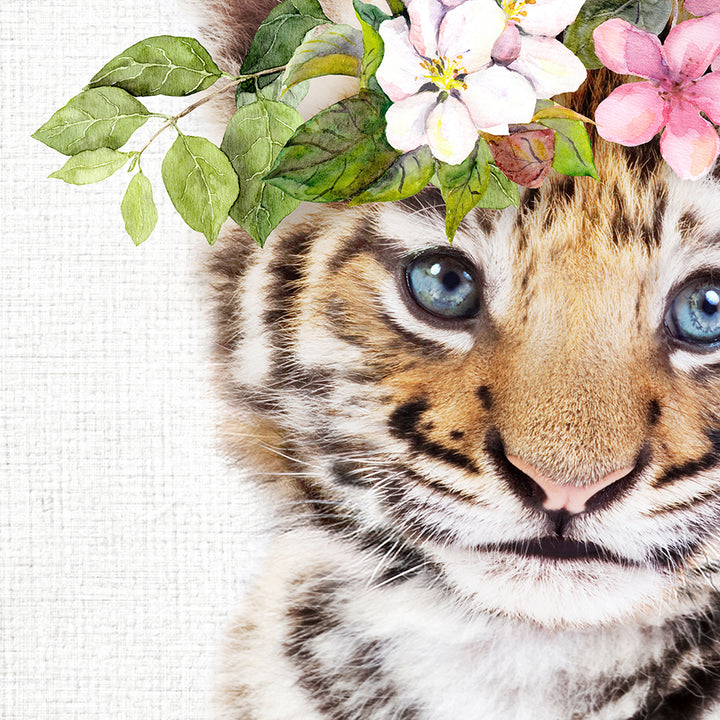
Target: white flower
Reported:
[(528, 45), (439, 74), (467, 65)]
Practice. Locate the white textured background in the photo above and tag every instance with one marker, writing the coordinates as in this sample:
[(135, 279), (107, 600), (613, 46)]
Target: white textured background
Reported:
[(124, 539)]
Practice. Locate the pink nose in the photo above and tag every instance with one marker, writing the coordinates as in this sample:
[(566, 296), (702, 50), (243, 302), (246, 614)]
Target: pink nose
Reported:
[(572, 498)]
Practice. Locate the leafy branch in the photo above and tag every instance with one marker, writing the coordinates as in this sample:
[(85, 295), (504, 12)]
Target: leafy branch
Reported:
[(235, 81), (94, 124), (341, 154)]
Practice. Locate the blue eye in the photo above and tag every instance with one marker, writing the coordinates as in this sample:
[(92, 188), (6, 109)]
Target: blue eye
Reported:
[(444, 284), (694, 314)]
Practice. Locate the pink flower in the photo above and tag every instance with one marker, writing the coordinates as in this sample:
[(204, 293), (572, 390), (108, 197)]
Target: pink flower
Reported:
[(674, 95), (704, 7), (701, 7)]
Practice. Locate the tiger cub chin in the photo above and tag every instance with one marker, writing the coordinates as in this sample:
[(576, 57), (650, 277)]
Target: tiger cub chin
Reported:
[(496, 463)]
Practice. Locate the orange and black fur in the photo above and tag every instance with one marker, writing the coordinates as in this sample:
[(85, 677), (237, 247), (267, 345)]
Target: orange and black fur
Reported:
[(419, 572)]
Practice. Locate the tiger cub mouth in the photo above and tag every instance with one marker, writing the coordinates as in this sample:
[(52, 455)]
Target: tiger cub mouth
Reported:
[(561, 549)]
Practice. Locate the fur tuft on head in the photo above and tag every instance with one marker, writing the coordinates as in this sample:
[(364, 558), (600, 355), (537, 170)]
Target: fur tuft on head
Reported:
[(227, 26)]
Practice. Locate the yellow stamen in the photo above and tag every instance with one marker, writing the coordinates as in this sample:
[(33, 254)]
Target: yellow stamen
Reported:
[(516, 9), (444, 72)]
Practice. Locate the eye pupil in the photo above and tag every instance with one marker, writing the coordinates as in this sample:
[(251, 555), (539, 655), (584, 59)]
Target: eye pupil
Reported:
[(451, 280), (443, 284)]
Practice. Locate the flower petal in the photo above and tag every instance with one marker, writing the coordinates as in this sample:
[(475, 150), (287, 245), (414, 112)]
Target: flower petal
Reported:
[(407, 120), (470, 31), (705, 95), (498, 96), (549, 17), (715, 64), (507, 47), (628, 50), (692, 45), (550, 67), (690, 144), (400, 74), (631, 115), (425, 17), (701, 7), (451, 133)]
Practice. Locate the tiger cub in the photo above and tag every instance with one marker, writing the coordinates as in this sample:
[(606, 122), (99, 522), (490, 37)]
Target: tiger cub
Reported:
[(496, 462)]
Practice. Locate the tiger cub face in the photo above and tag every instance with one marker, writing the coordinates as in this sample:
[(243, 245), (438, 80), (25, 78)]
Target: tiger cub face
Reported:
[(532, 412)]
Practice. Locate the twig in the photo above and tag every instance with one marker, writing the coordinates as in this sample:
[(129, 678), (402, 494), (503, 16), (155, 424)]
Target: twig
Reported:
[(235, 82)]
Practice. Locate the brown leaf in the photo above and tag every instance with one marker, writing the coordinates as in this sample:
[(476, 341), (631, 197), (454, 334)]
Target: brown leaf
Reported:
[(525, 157)]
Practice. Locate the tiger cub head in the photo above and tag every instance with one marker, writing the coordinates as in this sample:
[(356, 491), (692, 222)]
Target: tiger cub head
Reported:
[(531, 413)]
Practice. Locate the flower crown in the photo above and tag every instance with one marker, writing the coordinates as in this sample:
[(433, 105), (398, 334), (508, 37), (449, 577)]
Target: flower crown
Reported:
[(453, 93)]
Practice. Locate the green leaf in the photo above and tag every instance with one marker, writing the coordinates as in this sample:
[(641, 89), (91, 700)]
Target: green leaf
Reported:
[(462, 186), (573, 151), (105, 117), (253, 139), (278, 36), (501, 191), (333, 50), (338, 153), (370, 14), (397, 7), (91, 166), (650, 15), (162, 65), (407, 176), (201, 183), (138, 209), (374, 47), (549, 109), (275, 91)]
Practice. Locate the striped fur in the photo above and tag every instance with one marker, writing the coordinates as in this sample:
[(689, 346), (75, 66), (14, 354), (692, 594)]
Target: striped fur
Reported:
[(409, 579)]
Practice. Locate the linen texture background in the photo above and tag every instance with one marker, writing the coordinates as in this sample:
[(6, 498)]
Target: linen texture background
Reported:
[(125, 538)]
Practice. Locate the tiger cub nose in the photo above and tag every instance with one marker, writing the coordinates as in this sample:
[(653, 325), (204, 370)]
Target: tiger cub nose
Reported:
[(559, 496)]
